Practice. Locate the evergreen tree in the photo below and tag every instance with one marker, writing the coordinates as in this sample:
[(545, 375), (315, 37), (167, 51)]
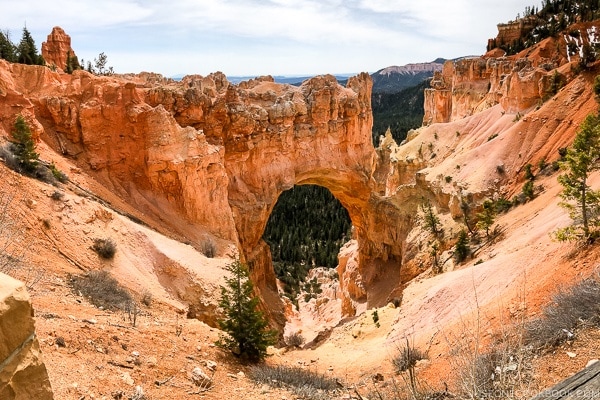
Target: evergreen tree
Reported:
[(486, 217), (462, 249), (8, 51), (581, 159), (27, 52), (72, 63), (23, 146), (432, 222), (247, 334)]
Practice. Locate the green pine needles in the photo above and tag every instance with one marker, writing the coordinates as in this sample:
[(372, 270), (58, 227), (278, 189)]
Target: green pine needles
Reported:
[(582, 202), (246, 329), (23, 146)]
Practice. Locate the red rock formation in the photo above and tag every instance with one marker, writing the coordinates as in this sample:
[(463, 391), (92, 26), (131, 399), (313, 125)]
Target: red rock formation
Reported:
[(518, 82), (57, 48), (205, 155)]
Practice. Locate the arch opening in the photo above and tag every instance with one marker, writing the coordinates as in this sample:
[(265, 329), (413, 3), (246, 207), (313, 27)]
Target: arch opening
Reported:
[(305, 230)]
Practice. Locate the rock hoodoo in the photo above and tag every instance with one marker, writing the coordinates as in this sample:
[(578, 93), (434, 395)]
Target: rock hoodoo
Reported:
[(57, 48)]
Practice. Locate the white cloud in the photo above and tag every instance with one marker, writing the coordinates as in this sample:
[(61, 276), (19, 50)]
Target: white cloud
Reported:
[(265, 36)]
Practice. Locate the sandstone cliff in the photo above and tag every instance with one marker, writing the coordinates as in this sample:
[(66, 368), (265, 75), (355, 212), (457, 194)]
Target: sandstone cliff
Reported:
[(209, 159), (520, 82), (22, 372)]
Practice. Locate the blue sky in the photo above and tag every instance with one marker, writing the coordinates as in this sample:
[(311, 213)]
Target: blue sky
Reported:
[(260, 37)]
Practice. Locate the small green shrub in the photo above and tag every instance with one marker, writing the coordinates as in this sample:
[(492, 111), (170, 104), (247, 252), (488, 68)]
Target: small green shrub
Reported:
[(375, 316), (58, 174), (528, 190), (500, 169), (528, 173), (102, 290), (491, 137), (503, 205), (106, 248), (448, 179)]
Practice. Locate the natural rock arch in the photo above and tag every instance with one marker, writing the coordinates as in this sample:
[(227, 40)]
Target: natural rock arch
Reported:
[(203, 156), (321, 137)]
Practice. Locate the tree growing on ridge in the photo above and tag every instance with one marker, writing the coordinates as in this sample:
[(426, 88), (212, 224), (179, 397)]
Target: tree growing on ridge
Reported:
[(432, 222), (23, 146), (247, 334), (27, 52), (486, 217), (579, 198), (8, 50)]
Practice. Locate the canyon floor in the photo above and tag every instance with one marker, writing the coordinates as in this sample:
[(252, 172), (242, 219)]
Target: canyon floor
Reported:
[(104, 356)]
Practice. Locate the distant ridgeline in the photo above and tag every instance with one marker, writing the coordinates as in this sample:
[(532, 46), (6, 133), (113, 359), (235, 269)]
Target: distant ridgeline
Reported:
[(305, 230), (398, 98)]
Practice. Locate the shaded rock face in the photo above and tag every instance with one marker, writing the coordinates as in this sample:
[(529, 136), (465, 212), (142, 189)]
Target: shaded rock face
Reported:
[(23, 374), (205, 156), (57, 48)]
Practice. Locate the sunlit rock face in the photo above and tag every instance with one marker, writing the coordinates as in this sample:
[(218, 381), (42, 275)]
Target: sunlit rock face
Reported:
[(57, 48), (23, 374), (206, 157)]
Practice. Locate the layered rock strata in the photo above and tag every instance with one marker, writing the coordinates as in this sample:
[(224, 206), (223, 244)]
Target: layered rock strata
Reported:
[(57, 48), (23, 374), (206, 157)]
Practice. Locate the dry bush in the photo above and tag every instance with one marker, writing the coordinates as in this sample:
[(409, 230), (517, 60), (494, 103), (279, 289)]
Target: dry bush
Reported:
[(106, 248), (407, 357), (569, 309), (208, 248), (57, 195), (500, 370), (146, 298), (295, 340), (102, 290), (304, 383)]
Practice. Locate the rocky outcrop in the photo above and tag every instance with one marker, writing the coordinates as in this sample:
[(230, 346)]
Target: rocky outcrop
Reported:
[(513, 32), (204, 156), (57, 48), (23, 374), (468, 86)]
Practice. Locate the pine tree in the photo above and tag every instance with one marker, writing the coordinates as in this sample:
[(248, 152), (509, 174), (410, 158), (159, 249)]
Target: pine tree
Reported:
[(432, 222), (247, 334), (27, 52), (462, 248), (23, 146), (581, 159), (72, 63), (8, 51), (486, 217)]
